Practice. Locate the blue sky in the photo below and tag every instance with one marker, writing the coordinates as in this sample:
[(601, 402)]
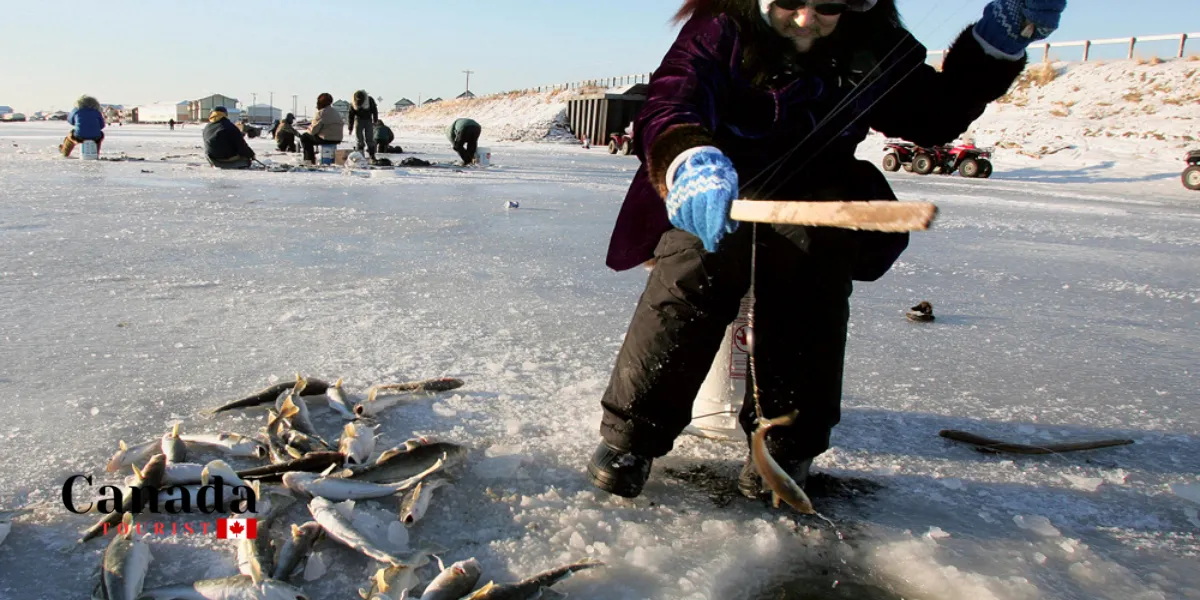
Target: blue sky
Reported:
[(140, 51)]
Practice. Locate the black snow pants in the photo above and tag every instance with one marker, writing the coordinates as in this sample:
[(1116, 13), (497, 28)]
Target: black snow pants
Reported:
[(802, 290), (467, 142)]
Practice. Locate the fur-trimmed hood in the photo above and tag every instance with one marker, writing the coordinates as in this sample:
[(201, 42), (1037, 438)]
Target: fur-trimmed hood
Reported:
[(87, 102), (361, 100)]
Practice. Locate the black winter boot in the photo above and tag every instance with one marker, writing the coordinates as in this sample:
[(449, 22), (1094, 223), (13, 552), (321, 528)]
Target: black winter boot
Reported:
[(618, 472), (751, 485)]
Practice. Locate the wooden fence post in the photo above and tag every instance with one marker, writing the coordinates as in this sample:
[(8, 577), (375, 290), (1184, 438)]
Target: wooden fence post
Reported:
[(1046, 52), (1087, 49), (1182, 44), (1132, 43)]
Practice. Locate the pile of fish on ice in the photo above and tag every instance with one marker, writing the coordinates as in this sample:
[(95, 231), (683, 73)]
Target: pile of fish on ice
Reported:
[(309, 470)]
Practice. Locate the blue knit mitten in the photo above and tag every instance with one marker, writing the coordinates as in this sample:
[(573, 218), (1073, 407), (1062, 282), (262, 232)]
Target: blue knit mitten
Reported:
[(701, 194), (1004, 20)]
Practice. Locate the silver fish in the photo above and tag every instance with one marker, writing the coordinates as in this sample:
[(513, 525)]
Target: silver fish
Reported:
[(230, 444), (337, 488), (406, 464), (391, 583), (219, 468), (407, 446), (416, 501), (357, 443), (337, 401), (126, 561), (782, 486), (296, 413), (295, 548), (176, 474), (173, 447), (454, 581), (132, 455), (382, 397), (531, 588), (339, 528), (238, 587)]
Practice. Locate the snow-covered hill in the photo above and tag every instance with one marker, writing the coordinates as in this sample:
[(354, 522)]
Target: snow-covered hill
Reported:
[(1135, 107), (1141, 110), (516, 116)]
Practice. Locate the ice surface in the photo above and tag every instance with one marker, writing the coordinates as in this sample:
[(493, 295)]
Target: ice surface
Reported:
[(1065, 289)]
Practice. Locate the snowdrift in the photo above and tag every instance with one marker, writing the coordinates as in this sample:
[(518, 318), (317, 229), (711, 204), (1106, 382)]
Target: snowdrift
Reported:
[(1134, 107), (1138, 108), (515, 116)]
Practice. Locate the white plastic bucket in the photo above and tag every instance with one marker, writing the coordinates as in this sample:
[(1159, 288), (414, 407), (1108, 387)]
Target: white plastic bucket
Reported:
[(715, 411), (483, 156), (327, 152), (89, 150)]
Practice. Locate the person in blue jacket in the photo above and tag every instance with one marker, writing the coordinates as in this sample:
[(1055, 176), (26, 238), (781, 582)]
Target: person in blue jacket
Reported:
[(87, 122)]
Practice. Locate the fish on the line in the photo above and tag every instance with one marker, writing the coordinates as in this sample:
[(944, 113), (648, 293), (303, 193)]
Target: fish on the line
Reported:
[(782, 486)]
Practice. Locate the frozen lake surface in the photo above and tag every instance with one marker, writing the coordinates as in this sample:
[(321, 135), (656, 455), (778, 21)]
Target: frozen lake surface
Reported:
[(136, 295)]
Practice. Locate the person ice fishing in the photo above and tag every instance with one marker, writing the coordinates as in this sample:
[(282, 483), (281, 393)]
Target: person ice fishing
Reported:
[(464, 135), (363, 116), (171, 124), (285, 134), (224, 144), (87, 123), (767, 100), (384, 138), (326, 128)]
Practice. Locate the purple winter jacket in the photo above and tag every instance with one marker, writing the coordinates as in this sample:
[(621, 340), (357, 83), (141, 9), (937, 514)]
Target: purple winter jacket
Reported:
[(795, 138)]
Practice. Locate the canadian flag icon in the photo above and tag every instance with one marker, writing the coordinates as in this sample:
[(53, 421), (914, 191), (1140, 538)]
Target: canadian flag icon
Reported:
[(237, 529)]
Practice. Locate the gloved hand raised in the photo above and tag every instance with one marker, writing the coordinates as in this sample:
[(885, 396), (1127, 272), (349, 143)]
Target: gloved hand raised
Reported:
[(701, 193), (1004, 21)]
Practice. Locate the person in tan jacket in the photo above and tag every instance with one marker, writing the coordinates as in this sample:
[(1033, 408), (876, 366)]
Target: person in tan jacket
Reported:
[(326, 128)]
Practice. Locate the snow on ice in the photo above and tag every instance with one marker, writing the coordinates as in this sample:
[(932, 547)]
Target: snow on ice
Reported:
[(138, 294)]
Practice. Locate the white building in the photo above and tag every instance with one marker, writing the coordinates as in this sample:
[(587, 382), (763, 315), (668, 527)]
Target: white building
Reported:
[(263, 114), (161, 112)]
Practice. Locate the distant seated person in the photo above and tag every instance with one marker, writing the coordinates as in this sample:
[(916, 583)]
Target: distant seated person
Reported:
[(384, 138), (326, 128), (224, 144), (88, 123), (464, 134), (285, 134)]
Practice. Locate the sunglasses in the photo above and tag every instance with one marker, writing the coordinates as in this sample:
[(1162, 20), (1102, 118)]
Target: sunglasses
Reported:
[(826, 9)]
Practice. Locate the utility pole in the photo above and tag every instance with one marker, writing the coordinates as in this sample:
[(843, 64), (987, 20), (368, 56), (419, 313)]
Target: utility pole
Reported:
[(293, 104), (468, 79), (253, 101), (272, 109)]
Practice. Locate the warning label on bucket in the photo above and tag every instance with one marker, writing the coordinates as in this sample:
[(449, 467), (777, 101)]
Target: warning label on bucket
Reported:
[(739, 351)]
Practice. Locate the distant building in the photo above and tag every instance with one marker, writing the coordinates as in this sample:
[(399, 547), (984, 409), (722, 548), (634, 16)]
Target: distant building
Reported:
[(403, 104), (198, 109), (161, 112), (343, 108), (467, 95), (431, 101), (263, 114), (4, 110)]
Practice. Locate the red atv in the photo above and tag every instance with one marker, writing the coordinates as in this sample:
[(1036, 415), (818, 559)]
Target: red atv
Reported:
[(968, 160), (620, 142), (1191, 175)]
